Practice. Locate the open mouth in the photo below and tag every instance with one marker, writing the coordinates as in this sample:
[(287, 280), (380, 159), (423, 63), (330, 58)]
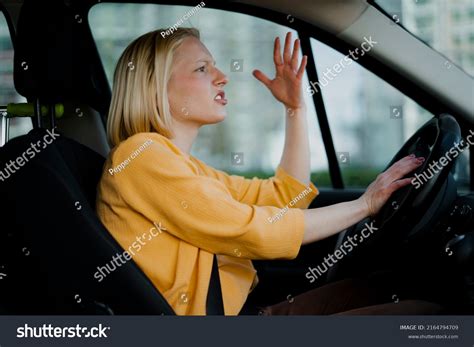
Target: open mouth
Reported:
[(220, 98)]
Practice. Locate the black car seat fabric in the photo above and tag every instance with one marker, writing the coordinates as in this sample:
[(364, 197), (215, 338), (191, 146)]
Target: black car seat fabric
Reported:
[(52, 241)]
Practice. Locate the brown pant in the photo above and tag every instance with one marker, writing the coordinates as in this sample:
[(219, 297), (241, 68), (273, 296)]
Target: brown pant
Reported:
[(349, 297)]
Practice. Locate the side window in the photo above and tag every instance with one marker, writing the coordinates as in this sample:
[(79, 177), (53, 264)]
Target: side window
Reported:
[(369, 119), (8, 94), (250, 140)]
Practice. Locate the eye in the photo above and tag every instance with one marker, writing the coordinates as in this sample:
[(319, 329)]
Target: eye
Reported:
[(202, 68)]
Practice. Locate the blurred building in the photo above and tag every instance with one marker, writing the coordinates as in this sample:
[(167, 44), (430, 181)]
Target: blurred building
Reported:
[(445, 25)]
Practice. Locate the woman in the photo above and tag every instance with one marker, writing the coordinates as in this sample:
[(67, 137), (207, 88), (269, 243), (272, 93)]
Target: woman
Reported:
[(164, 90)]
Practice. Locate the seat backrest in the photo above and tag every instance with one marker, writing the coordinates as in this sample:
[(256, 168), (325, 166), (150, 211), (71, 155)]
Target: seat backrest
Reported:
[(56, 61), (51, 240), (55, 55)]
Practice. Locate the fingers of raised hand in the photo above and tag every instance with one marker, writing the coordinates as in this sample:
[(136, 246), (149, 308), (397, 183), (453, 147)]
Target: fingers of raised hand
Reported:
[(300, 73), (295, 55), (290, 58), (262, 77), (286, 50), (277, 52)]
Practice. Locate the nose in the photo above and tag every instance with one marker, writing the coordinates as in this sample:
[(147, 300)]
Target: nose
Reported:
[(221, 79)]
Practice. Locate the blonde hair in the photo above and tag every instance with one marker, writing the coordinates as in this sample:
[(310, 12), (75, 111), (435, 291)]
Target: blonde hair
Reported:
[(139, 94)]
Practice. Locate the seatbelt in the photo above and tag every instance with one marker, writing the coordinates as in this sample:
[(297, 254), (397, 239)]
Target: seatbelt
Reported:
[(214, 302)]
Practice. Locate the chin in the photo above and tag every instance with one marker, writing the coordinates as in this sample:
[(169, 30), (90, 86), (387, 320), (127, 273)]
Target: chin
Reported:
[(216, 118), (221, 117)]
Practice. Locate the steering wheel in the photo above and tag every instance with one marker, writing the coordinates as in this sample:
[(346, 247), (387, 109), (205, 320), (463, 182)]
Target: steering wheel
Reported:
[(438, 138)]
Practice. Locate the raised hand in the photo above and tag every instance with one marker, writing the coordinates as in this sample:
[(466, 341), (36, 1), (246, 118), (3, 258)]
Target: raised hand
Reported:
[(286, 86)]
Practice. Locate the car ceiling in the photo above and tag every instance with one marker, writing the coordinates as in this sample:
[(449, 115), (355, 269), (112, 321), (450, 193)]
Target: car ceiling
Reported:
[(331, 15)]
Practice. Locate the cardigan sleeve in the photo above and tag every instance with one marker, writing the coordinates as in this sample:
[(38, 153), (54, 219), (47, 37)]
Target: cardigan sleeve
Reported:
[(279, 190), (200, 210)]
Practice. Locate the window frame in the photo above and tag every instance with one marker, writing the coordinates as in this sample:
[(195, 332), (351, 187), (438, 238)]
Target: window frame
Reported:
[(306, 31)]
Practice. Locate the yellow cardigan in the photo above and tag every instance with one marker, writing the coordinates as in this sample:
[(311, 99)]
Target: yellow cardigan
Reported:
[(172, 213)]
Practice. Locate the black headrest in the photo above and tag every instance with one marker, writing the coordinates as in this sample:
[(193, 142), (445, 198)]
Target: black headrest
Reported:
[(53, 238), (55, 55)]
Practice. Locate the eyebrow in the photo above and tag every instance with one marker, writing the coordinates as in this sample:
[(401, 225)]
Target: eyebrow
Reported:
[(206, 61)]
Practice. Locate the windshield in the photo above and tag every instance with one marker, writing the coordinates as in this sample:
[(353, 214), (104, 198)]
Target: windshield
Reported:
[(445, 25)]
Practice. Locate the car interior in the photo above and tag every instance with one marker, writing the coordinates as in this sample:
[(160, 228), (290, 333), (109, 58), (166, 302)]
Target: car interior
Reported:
[(51, 240)]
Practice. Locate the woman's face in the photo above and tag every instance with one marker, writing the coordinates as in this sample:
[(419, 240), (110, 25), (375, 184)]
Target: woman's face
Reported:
[(195, 88)]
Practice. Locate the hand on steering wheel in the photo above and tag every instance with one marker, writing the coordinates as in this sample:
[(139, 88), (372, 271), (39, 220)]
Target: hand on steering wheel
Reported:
[(401, 214), (380, 190)]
